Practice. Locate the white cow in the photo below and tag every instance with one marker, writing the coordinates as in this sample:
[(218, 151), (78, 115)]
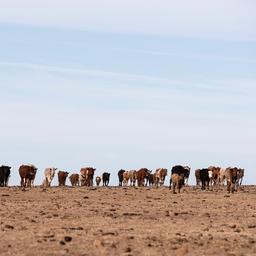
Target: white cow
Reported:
[(49, 175), (223, 176)]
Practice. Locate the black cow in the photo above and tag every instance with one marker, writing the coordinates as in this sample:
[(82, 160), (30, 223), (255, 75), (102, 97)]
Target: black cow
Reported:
[(150, 179), (205, 179), (120, 177), (4, 175), (105, 178), (180, 170)]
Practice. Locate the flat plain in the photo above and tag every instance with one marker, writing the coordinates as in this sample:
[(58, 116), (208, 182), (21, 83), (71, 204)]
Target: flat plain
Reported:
[(127, 221)]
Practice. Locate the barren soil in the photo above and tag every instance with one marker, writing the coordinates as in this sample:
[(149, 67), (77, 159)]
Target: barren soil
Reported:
[(127, 221)]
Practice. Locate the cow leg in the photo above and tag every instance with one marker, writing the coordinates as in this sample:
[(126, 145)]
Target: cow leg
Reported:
[(173, 188), (179, 186), (228, 186), (234, 186), (204, 184)]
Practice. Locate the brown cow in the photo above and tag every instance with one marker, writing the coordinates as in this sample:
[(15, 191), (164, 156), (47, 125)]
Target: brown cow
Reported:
[(231, 177), (125, 178), (98, 180), (132, 177), (27, 175), (87, 175), (62, 176), (177, 182), (197, 174), (215, 175), (160, 175), (142, 174), (74, 179)]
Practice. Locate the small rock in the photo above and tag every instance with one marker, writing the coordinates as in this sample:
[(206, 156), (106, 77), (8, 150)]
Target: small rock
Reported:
[(68, 239), (128, 249), (9, 226)]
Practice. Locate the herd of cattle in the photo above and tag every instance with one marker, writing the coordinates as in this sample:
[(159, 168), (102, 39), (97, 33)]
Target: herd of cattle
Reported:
[(211, 176)]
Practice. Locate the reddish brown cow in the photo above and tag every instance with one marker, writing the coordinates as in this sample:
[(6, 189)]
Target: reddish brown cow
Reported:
[(215, 179), (74, 179), (142, 174), (197, 174), (27, 175), (62, 176), (87, 175)]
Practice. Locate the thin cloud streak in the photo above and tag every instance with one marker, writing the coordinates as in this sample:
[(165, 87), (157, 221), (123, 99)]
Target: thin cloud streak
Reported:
[(182, 84), (198, 56)]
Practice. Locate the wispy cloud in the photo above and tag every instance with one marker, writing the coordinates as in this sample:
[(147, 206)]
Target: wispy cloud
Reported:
[(132, 79), (198, 56)]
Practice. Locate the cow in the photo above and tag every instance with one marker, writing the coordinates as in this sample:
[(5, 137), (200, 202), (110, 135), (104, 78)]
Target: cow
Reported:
[(132, 177), (27, 175), (231, 175), (197, 175), (98, 180), (105, 178), (204, 178), (151, 179), (214, 172), (74, 179), (222, 177), (49, 175), (177, 182), (240, 176), (120, 177), (62, 176), (4, 175), (86, 176), (142, 174), (160, 175), (179, 169), (125, 178)]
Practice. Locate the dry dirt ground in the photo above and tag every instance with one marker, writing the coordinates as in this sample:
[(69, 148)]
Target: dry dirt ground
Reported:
[(127, 221)]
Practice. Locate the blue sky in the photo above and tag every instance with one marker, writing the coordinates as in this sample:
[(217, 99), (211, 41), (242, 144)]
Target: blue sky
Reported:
[(149, 84)]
